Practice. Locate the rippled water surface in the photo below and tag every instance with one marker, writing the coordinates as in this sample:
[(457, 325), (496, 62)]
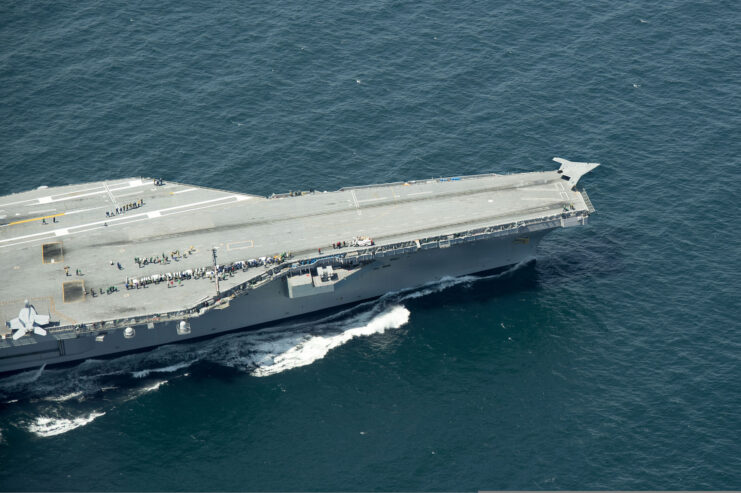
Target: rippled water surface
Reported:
[(611, 362)]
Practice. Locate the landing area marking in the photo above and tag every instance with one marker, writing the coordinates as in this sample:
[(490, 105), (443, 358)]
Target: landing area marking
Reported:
[(122, 221), (240, 245)]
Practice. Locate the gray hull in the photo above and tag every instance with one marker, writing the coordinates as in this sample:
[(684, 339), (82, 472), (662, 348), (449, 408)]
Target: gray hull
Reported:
[(132, 264), (272, 302)]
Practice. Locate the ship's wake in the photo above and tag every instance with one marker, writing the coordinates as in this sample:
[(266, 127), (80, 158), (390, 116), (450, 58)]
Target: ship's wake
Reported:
[(271, 356), (50, 402)]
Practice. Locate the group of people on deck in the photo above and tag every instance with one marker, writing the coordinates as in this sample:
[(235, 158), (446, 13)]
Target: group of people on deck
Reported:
[(223, 271), (125, 208)]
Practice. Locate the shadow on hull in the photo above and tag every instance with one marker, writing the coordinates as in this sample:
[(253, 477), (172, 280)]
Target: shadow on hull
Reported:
[(456, 291)]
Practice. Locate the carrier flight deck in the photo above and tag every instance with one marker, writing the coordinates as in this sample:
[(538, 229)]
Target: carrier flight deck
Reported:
[(143, 262)]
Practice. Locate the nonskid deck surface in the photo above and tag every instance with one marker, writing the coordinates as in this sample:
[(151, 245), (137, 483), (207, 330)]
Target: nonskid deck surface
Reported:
[(186, 218)]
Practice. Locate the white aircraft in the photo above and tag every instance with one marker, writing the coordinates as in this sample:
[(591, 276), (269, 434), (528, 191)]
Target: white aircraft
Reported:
[(28, 320)]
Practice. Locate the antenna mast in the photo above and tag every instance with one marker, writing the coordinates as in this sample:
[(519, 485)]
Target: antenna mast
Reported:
[(216, 272)]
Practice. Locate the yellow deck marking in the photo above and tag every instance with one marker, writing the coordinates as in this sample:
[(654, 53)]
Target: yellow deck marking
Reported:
[(36, 219)]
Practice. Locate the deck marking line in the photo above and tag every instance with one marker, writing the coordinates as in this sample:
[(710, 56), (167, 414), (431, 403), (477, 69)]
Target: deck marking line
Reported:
[(240, 245), (110, 195), (372, 200), (35, 219), (80, 195), (51, 198), (119, 219), (355, 200), (84, 210)]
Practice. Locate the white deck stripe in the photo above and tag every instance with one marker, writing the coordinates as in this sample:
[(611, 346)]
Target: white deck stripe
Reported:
[(68, 213), (355, 200), (110, 195), (77, 195), (371, 200), (37, 200), (112, 221)]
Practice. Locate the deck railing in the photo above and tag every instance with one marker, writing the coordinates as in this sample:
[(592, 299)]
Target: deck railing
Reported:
[(588, 202)]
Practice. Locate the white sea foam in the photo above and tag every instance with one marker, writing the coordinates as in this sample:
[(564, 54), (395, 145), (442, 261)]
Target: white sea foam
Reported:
[(166, 369), (153, 387), (287, 346), (138, 392), (313, 348), (445, 283), (65, 397), (261, 353), (45, 426)]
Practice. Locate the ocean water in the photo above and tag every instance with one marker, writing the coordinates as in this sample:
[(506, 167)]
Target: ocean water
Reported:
[(611, 362)]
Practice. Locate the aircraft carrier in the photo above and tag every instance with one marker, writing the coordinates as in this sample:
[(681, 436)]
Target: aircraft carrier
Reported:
[(103, 268)]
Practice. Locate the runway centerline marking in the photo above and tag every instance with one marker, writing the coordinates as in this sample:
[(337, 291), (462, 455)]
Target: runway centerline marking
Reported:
[(120, 221)]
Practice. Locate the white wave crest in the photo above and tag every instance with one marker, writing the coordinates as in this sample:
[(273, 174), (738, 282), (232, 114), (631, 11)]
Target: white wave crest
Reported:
[(45, 426), (316, 347), (166, 369), (282, 347), (65, 397), (138, 392), (154, 386), (442, 284)]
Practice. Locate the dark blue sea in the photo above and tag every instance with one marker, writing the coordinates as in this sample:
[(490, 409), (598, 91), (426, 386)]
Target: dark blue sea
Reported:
[(611, 362)]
